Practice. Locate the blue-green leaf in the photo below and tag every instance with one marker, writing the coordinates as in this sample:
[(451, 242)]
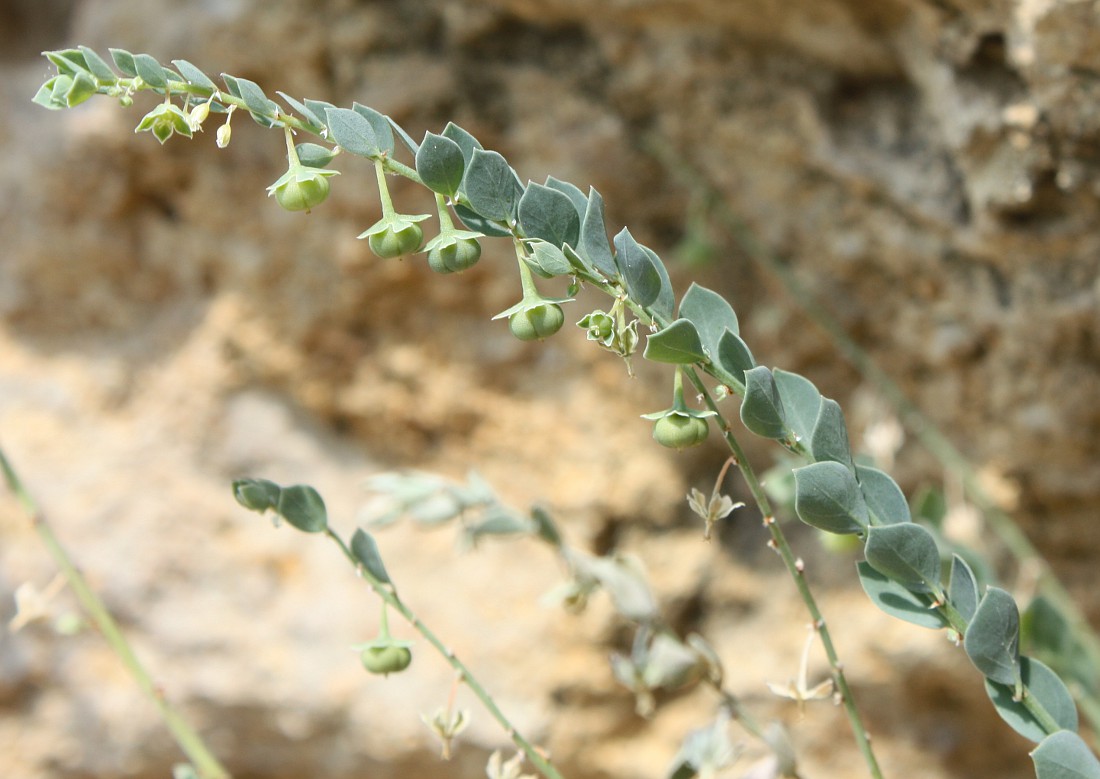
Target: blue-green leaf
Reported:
[(383, 132), (440, 164), (491, 187), (801, 403), (827, 497), (678, 344), (313, 155), (711, 314), (549, 215), (548, 260), (262, 109), (883, 495), (963, 589), (594, 245), (124, 61), (665, 303), (366, 552), (761, 408), (150, 71), (571, 191), (410, 144), (899, 601), (353, 132), (257, 494), (97, 65), (907, 553), (734, 355), (465, 141), (1065, 755), (193, 75), (829, 440), (643, 282), (307, 113), (69, 62), (1044, 686), (992, 639), (476, 222), (301, 506), (319, 108)]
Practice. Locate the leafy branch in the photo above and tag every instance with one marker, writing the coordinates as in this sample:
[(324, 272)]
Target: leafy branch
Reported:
[(557, 230)]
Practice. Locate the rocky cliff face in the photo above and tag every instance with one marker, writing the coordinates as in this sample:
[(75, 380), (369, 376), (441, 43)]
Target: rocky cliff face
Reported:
[(928, 168)]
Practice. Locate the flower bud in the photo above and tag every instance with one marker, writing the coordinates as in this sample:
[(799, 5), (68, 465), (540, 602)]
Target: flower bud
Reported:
[(301, 188), (225, 132), (386, 660), (460, 255), (395, 241)]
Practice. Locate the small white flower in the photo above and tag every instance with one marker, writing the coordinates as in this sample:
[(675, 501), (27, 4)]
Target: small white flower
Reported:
[(497, 769)]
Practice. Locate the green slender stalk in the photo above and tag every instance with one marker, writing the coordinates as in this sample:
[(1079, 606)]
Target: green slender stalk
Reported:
[(796, 570), (188, 739), (390, 597), (931, 437)]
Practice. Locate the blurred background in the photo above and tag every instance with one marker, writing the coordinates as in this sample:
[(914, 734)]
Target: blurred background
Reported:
[(925, 169)]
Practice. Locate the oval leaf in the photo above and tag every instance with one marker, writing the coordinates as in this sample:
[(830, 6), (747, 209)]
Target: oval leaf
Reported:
[(257, 494), (1065, 755), (734, 355), (907, 553), (963, 590), (465, 141), (711, 314), (379, 124), (302, 507), (826, 496), (548, 260), (993, 637), (440, 164), (883, 495), (801, 402), (761, 408), (594, 245), (549, 215), (643, 282), (366, 552), (829, 440), (151, 71), (677, 344), (898, 601), (262, 109), (490, 185), (124, 61), (351, 131), (98, 66), (1045, 687), (665, 303), (573, 192), (308, 114)]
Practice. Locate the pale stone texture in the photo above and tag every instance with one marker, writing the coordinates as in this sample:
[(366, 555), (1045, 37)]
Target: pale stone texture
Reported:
[(928, 168)]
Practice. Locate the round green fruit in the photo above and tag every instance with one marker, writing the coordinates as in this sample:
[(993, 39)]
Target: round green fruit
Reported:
[(302, 195), (679, 431), (389, 243), (537, 322), (458, 256), (386, 660)]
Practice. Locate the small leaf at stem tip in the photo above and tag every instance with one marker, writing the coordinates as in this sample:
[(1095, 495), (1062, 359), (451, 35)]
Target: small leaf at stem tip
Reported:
[(257, 494)]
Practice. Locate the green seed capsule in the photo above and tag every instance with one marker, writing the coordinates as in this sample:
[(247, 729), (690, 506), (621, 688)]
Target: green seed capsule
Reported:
[(302, 195), (386, 660), (536, 323), (389, 243), (679, 431), (458, 256)]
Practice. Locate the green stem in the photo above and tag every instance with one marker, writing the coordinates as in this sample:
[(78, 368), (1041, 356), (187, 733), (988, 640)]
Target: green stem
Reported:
[(939, 445), (796, 569), (202, 759), (390, 597), (383, 190)]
